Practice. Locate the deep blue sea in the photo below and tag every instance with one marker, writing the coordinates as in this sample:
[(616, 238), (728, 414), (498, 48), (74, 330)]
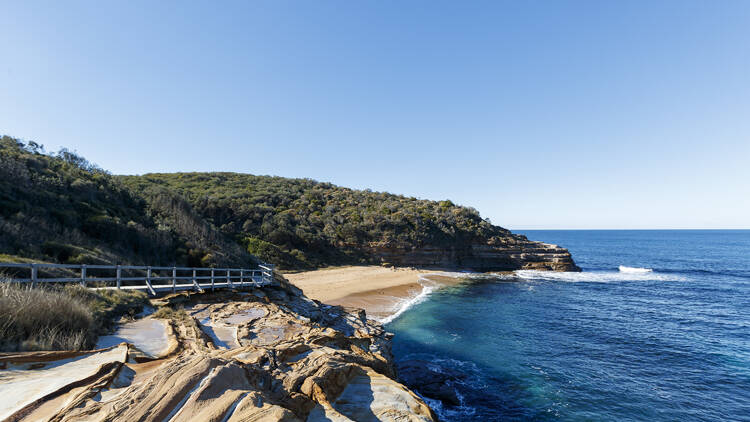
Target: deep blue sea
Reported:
[(670, 344)]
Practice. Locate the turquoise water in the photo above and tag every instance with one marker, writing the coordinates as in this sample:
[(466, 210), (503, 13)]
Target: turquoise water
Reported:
[(672, 344)]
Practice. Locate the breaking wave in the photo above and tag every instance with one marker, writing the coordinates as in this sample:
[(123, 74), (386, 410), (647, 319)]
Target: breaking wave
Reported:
[(427, 288), (624, 273), (635, 270), (597, 276)]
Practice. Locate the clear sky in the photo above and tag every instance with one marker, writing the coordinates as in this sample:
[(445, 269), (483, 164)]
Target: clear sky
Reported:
[(540, 114)]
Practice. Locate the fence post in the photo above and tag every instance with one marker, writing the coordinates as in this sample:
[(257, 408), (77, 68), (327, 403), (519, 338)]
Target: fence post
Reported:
[(266, 273), (195, 281), (119, 277), (83, 275), (33, 275), (242, 278), (148, 281), (229, 278), (174, 279), (212, 280)]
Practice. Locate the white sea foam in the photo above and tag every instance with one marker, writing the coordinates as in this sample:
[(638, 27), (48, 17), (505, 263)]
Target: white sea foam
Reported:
[(474, 379), (405, 304), (624, 274), (449, 413), (429, 285), (467, 275), (596, 276), (452, 274), (635, 270)]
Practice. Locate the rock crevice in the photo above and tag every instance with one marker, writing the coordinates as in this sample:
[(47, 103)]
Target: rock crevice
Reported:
[(292, 359)]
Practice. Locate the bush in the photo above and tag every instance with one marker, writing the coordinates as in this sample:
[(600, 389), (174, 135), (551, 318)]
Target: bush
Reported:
[(60, 318), (165, 312), (41, 319), (269, 252)]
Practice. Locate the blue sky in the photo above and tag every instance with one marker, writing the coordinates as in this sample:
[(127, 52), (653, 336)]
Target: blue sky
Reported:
[(540, 114)]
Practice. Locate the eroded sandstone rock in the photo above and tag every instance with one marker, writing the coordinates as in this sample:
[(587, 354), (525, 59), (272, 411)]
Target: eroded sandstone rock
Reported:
[(292, 359), (509, 253)]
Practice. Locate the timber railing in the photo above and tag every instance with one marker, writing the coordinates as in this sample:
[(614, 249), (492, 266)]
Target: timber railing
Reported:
[(134, 277)]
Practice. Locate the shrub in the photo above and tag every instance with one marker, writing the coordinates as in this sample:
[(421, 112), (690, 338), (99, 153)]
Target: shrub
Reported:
[(60, 318), (165, 312), (42, 319)]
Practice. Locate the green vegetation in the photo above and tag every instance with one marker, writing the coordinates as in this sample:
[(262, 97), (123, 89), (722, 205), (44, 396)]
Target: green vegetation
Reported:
[(60, 318), (165, 312), (301, 223), (60, 208)]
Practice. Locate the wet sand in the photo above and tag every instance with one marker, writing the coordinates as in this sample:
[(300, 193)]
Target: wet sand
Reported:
[(380, 291)]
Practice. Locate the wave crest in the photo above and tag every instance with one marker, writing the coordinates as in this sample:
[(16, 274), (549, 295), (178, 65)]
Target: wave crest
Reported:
[(596, 276), (405, 304), (634, 270)]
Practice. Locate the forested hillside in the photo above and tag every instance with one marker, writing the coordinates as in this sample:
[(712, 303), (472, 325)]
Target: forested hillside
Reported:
[(301, 223), (60, 208)]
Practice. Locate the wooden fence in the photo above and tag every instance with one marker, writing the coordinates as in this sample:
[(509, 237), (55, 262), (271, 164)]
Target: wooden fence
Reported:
[(133, 277)]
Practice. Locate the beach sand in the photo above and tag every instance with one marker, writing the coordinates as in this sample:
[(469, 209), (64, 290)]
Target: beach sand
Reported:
[(380, 291)]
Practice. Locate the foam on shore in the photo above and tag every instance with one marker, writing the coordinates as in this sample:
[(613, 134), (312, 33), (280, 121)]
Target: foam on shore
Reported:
[(430, 282), (406, 303)]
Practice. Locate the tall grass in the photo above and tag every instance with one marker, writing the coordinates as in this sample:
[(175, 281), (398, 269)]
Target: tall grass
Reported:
[(59, 318)]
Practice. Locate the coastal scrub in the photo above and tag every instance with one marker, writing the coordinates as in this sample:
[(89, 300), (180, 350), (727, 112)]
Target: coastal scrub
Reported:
[(61, 317)]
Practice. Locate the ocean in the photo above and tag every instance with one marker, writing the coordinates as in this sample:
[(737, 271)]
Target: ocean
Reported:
[(655, 328)]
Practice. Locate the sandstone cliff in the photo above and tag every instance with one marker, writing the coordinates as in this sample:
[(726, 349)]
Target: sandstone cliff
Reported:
[(508, 253), (293, 359)]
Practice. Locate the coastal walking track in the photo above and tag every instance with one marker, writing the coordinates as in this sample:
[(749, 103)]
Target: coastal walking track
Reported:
[(134, 277)]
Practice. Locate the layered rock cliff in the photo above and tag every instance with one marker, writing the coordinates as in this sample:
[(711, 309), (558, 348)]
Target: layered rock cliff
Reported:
[(508, 253), (291, 359)]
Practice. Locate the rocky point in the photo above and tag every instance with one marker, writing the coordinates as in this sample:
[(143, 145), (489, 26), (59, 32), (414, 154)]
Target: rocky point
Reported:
[(264, 354)]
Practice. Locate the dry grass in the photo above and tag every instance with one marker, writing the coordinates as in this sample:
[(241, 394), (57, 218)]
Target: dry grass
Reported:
[(165, 312), (59, 318)]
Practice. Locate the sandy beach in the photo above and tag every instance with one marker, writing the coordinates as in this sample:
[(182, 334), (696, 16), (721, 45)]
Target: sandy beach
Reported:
[(380, 291)]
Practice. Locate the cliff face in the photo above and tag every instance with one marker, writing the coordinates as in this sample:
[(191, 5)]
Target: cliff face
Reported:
[(514, 252), (289, 359)]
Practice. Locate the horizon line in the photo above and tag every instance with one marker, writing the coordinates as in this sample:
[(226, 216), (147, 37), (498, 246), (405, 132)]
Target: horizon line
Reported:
[(625, 229)]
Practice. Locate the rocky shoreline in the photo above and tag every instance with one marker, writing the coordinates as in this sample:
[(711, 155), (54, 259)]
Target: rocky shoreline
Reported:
[(296, 360), (262, 354), (508, 253)]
